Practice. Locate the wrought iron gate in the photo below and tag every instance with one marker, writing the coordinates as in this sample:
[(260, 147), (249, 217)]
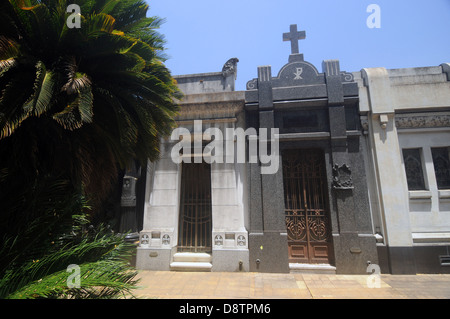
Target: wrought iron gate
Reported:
[(195, 225), (306, 206)]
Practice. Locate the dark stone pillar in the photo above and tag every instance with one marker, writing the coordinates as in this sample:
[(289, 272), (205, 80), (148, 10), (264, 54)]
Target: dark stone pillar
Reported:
[(354, 244), (267, 237)]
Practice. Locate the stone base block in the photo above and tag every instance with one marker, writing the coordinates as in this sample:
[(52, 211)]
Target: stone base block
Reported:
[(354, 253), (153, 259), (420, 259), (268, 252), (229, 260)]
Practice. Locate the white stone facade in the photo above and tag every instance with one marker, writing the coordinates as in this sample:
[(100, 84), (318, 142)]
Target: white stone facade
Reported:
[(209, 100), (400, 109), (406, 109)]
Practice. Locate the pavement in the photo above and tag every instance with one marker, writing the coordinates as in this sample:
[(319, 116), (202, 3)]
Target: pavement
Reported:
[(248, 285)]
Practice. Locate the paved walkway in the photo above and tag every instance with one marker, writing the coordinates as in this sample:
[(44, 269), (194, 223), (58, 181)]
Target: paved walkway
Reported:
[(220, 285)]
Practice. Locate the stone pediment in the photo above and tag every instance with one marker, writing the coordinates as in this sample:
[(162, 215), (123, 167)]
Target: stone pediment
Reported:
[(300, 79), (298, 74)]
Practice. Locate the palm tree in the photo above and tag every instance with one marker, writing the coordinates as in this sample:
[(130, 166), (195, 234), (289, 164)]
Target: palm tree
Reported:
[(76, 105), (57, 237), (82, 101)]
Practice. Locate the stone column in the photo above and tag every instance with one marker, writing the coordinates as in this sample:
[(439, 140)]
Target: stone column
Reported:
[(353, 239), (158, 239), (268, 238), (229, 236), (387, 161)]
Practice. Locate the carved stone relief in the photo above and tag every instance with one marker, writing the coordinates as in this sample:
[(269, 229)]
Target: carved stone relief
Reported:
[(422, 121), (342, 177)]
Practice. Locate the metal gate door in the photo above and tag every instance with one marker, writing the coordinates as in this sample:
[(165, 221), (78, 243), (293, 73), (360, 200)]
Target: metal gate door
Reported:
[(195, 225), (306, 206)]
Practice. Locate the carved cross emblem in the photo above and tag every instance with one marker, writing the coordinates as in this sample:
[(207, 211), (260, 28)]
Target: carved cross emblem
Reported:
[(145, 239), (298, 74), (241, 240)]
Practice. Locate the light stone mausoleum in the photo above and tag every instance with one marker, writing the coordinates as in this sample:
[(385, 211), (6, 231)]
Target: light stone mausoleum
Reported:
[(363, 178)]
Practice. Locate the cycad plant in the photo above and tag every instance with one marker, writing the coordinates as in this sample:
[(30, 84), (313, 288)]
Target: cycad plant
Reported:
[(76, 105), (39, 253), (82, 101)]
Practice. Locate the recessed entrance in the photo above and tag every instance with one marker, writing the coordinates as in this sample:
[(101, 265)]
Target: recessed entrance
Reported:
[(306, 206), (195, 226)]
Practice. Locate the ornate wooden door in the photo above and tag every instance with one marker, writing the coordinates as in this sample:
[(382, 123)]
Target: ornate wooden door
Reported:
[(306, 206), (195, 226)]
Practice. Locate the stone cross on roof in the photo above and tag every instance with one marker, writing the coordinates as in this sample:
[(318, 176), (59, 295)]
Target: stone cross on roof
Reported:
[(294, 36)]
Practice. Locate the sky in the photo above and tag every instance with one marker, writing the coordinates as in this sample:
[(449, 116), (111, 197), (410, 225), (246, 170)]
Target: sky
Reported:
[(201, 35)]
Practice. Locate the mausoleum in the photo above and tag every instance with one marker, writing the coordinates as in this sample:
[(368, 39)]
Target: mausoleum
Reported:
[(306, 170)]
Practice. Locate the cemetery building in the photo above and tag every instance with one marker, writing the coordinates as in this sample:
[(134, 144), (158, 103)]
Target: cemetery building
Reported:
[(405, 116), (306, 170)]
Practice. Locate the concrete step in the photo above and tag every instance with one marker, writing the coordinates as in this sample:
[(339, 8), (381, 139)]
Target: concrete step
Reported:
[(192, 257), (190, 266), (191, 262), (312, 269)]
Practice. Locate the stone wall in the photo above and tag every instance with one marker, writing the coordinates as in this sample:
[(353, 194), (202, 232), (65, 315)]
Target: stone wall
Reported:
[(404, 109)]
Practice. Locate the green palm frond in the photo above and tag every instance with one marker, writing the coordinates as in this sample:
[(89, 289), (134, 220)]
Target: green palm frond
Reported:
[(46, 94), (77, 83), (98, 280), (41, 71), (78, 112), (109, 6), (34, 264), (86, 105), (5, 65), (106, 276), (8, 48), (13, 95), (76, 104), (100, 23)]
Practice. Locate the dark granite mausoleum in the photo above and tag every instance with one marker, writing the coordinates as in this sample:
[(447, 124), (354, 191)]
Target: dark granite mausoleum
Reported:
[(320, 195)]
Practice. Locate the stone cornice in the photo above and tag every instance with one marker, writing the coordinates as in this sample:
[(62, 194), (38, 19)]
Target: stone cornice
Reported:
[(211, 105), (422, 120)]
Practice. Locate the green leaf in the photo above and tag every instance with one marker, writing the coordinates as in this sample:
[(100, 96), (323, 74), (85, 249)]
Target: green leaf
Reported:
[(109, 6), (8, 48), (86, 105), (5, 65), (43, 91), (101, 23)]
